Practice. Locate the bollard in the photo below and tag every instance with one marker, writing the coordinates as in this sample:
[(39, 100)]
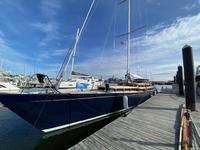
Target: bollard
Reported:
[(180, 80), (174, 79), (190, 90)]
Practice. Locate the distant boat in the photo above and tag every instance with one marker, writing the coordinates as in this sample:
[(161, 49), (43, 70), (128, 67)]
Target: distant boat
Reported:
[(54, 111), (6, 87), (5, 84), (80, 81)]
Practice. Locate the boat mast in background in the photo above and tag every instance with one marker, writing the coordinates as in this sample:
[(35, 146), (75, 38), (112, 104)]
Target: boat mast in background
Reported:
[(129, 41), (74, 50)]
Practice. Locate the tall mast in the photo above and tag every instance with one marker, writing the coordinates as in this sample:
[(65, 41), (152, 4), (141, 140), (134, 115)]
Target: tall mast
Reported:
[(79, 33), (129, 39), (74, 50)]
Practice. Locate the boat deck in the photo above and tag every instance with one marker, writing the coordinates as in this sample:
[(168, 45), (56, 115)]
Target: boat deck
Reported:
[(152, 125), (129, 90)]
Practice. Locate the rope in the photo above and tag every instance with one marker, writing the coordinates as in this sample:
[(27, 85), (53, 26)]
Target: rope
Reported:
[(114, 27)]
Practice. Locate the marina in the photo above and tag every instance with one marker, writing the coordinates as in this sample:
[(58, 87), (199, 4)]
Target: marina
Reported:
[(152, 125), (99, 75)]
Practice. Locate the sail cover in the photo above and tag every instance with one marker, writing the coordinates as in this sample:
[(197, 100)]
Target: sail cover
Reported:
[(135, 76), (74, 73)]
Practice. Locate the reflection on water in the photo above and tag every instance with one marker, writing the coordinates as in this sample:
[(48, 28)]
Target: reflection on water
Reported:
[(17, 134)]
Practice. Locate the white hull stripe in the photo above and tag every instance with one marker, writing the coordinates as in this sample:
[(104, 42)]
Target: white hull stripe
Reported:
[(79, 122)]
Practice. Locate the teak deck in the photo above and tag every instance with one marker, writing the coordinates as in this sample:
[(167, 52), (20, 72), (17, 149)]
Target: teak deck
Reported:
[(152, 125)]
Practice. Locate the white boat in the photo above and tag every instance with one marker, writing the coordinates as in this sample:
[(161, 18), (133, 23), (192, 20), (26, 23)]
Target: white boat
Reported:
[(6, 87), (80, 81)]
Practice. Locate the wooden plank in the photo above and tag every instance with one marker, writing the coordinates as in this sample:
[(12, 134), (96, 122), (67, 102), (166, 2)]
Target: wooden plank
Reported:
[(196, 114), (152, 125)]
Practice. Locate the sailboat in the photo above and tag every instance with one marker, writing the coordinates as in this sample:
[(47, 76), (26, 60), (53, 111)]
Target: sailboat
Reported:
[(55, 111)]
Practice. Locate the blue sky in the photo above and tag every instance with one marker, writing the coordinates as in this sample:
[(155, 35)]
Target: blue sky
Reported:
[(36, 34)]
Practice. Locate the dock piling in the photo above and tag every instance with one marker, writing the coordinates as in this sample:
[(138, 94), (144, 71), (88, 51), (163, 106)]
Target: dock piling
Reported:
[(180, 79), (190, 90)]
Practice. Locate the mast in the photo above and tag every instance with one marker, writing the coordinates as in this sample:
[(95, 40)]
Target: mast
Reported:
[(129, 40), (74, 50)]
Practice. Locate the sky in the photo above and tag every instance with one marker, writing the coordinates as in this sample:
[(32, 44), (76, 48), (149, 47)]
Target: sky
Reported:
[(35, 36)]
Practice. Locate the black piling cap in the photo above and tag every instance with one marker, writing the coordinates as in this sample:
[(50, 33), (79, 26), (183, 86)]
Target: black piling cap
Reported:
[(187, 46)]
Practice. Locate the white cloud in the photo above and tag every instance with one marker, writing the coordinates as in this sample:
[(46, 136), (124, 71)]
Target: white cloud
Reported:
[(191, 6), (50, 8), (153, 2), (52, 53), (13, 5), (49, 29), (1, 34), (158, 53), (11, 57), (46, 27)]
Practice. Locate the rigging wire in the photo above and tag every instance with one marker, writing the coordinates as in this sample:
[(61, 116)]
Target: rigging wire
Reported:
[(91, 15), (114, 27), (88, 20), (108, 33)]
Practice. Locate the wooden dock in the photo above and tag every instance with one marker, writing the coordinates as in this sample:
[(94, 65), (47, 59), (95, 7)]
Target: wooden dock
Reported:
[(196, 119), (152, 125)]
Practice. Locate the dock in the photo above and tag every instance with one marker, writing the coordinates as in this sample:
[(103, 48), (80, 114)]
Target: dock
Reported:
[(152, 125), (195, 116)]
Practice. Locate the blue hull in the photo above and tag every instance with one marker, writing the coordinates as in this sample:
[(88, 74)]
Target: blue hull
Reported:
[(50, 112)]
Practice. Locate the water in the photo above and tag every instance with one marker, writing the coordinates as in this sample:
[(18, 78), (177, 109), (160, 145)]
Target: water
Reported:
[(164, 87), (17, 134)]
